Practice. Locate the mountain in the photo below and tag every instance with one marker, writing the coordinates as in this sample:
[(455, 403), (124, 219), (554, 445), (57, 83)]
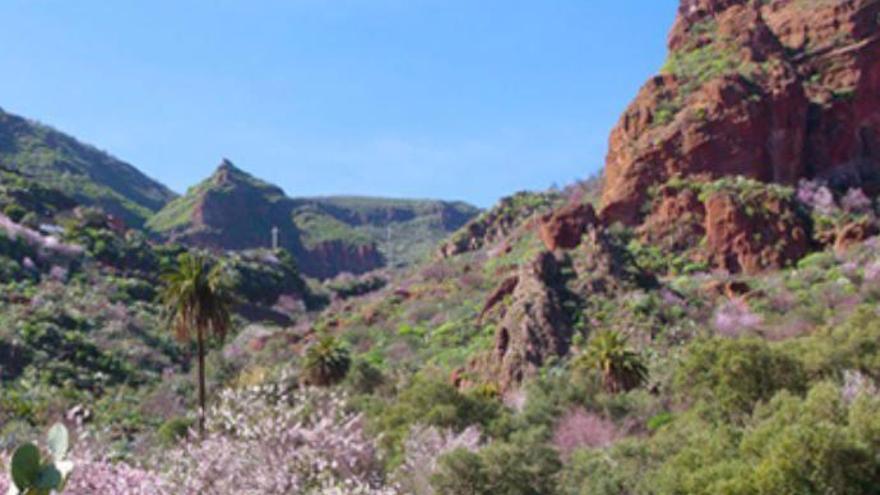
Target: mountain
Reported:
[(83, 172), (234, 210), (712, 329), (774, 91)]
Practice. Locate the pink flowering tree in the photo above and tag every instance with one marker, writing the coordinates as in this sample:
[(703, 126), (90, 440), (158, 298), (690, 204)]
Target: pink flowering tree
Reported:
[(579, 429), (423, 449), (734, 318), (264, 440)]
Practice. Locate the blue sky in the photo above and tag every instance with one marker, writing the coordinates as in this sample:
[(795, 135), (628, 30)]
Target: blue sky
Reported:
[(456, 99)]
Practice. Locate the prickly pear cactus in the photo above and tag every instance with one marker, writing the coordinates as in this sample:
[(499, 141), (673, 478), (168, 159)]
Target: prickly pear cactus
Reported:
[(31, 474)]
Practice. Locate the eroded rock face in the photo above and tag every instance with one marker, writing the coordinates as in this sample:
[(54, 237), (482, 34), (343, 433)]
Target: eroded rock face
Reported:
[(742, 241), (563, 228), (329, 258), (499, 294), (677, 221), (493, 226), (747, 229), (533, 329), (774, 91)]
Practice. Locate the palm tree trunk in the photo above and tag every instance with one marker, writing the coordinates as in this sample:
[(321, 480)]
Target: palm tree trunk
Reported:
[(201, 344)]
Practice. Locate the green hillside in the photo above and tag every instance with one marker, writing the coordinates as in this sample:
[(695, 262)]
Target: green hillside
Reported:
[(405, 230), (81, 171), (328, 235)]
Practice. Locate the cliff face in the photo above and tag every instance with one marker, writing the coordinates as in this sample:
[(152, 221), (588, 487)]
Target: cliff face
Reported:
[(331, 257), (774, 91)]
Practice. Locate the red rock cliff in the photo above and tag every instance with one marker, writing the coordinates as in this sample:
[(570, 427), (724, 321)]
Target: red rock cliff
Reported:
[(774, 91)]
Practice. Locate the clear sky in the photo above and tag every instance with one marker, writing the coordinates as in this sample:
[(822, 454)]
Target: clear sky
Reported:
[(455, 99)]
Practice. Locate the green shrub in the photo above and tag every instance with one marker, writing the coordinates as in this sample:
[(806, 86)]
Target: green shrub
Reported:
[(620, 368), (732, 376), (174, 429), (430, 401), (524, 465), (364, 377), (460, 472), (15, 212)]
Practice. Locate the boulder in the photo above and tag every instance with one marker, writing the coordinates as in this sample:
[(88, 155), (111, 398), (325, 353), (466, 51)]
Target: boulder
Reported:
[(563, 228), (740, 239)]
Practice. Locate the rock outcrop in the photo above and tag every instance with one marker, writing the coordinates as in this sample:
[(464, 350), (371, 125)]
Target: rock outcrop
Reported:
[(534, 328), (329, 258), (738, 226), (775, 91), (563, 228), (769, 237), (506, 289), (854, 233), (498, 223)]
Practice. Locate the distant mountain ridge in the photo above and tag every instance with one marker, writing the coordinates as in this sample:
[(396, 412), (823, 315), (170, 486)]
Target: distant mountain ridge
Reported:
[(231, 210), (234, 210), (83, 172)]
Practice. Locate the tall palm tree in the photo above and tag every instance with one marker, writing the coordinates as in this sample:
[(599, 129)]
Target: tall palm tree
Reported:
[(620, 368), (196, 296)]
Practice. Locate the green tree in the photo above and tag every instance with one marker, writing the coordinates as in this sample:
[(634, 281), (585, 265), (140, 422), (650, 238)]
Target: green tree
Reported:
[(327, 361), (732, 375), (620, 368), (522, 465), (197, 298), (460, 472)]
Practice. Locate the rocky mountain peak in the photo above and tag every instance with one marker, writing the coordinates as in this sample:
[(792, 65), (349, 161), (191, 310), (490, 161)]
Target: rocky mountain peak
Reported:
[(224, 171)]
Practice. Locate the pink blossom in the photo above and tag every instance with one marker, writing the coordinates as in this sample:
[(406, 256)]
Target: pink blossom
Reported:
[(580, 428), (106, 478), (855, 201), (855, 384), (816, 196), (47, 246), (424, 447), (262, 440), (734, 318), (872, 272), (92, 476)]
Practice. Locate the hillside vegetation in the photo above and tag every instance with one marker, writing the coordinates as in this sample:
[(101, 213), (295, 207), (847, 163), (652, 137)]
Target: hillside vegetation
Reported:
[(328, 236), (90, 176)]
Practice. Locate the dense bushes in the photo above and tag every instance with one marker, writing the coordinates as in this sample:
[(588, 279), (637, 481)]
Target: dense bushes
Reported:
[(523, 465), (261, 276), (734, 375), (430, 401)]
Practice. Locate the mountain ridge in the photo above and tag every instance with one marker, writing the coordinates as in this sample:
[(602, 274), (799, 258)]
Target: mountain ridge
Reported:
[(232, 209), (80, 170)]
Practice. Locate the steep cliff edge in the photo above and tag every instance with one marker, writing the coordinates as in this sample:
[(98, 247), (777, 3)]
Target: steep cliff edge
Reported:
[(775, 91)]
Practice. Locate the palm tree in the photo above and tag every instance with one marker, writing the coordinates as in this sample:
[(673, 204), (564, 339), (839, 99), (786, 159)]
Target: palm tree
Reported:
[(196, 296), (327, 361), (620, 367)]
